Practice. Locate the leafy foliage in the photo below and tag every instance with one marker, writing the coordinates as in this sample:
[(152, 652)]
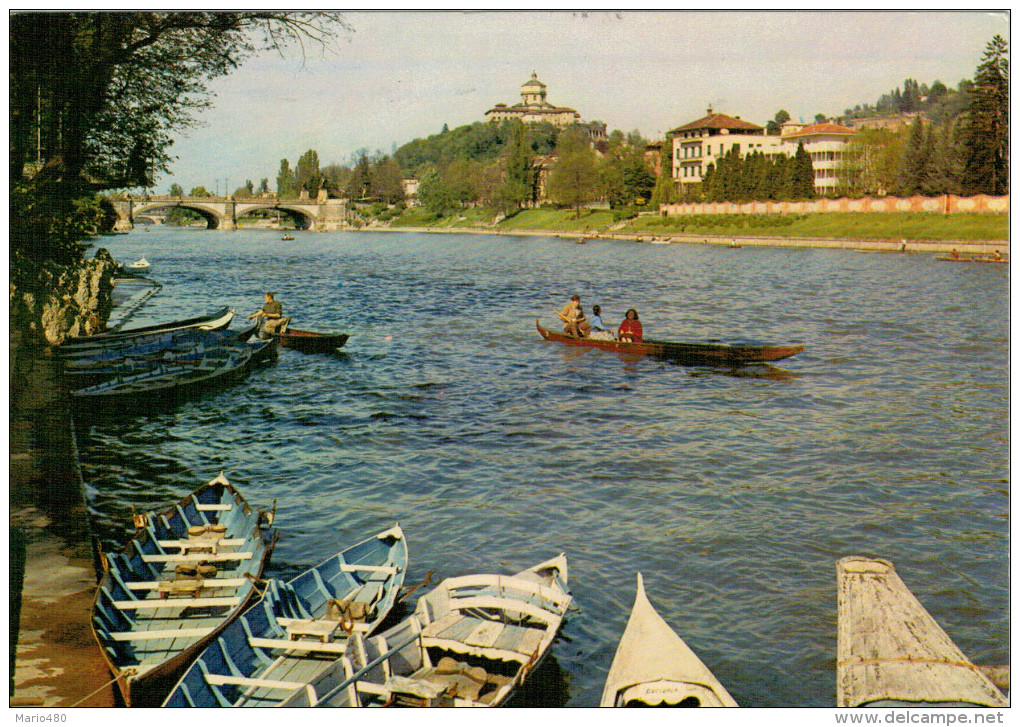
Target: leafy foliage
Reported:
[(986, 131)]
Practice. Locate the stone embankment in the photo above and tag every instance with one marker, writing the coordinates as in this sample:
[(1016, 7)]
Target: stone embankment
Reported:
[(54, 657), (969, 247)]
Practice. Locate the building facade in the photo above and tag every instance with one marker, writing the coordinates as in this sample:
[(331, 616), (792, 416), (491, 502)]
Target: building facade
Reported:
[(705, 141), (534, 107)]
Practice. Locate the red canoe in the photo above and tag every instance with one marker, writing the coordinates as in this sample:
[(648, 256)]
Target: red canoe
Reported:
[(712, 354)]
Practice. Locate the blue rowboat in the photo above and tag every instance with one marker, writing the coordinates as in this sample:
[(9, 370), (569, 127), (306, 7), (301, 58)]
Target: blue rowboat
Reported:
[(152, 346), (188, 571), (298, 629), (471, 642), (167, 384)]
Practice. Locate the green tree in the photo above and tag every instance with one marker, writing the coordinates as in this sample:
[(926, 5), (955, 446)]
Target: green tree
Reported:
[(263, 186), (775, 126), (914, 165), (986, 133), (307, 175), (802, 175), (435, 194), (200, 191), (286, 181), (105, 91), (665, 191), (387, 181), (176, 190), (359, 185), (519, 173), (573, 177)]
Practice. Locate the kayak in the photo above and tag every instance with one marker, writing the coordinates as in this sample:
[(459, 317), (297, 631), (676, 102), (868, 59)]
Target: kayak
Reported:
[(717, 354)]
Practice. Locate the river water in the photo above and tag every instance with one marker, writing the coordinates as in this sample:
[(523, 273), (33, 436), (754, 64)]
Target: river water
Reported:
[(733, 492)]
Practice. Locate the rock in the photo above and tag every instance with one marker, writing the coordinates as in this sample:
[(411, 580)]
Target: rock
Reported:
[(64, 300)]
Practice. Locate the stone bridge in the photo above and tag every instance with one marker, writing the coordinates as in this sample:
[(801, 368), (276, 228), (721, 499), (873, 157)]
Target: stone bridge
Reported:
[(222, 213)]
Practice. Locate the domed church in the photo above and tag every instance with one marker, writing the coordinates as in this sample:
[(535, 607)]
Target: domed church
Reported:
[(533, 107)]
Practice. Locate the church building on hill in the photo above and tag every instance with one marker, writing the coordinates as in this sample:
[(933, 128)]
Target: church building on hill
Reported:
[(533, 107)]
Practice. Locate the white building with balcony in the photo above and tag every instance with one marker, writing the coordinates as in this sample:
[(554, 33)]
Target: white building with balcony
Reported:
[(705, 141)]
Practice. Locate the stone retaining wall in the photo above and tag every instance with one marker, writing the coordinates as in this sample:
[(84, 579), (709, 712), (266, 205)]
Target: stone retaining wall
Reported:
[(946, 204)]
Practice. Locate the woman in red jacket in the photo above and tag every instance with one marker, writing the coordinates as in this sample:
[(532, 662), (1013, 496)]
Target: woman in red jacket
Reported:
[(630, 329)]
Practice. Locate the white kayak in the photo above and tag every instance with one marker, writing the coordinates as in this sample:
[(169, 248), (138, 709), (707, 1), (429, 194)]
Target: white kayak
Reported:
[(653, 666)]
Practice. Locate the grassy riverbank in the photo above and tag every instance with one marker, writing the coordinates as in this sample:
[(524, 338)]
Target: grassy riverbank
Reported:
[(847, 226)]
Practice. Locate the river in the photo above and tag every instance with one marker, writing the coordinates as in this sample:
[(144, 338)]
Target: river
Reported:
[(733, 492)]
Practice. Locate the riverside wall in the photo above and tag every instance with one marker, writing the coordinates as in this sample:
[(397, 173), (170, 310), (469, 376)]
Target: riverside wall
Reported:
[(54, 658), (967, 247)]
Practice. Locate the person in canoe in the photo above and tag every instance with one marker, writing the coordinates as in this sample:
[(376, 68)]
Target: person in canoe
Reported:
[(574, 323), (630, 328), (598, 328), (273, 320), (954, 254)]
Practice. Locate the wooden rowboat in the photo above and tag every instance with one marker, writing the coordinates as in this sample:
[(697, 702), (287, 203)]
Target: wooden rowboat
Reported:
[(212, 322), (703, 354), (176, 585), (166, 384), (653, 666), (298, 629), (471, 642), (310, 341), (149, 344), (892, 653)]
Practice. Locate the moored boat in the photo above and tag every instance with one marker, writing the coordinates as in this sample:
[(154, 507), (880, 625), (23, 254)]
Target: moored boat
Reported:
[(182, 578), (710, 354), (310, 341), (139, 266), (166, 384), (653, 666), (213, 322), (892, 653), (155, 343), (298, 629), (471, 642)]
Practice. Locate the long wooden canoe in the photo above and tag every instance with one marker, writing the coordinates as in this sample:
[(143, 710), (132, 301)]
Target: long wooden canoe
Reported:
[(176, 585), (471, 642), (298, 629), (710, 354), (891, 652), (653, 666), (952, 259)]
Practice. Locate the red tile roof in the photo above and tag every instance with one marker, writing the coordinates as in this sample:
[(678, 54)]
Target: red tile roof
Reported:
[(826, 128), (717, 121)]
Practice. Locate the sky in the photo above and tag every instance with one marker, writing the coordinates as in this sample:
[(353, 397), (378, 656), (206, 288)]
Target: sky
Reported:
[(401, 75)]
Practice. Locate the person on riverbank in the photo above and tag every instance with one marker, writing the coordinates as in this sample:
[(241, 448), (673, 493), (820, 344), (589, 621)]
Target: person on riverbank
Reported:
[(574, 323), (273, 320), (598, 328), (630, 329)]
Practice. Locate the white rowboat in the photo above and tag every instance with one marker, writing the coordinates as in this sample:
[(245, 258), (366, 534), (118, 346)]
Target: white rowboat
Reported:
[(653, 666)]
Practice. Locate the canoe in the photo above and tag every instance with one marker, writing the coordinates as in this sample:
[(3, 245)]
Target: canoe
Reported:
[(152, 612), (950, 258), (154, 343), (212, 322), (892, 653), (705, 354), (310, 341), (471, 642), (166, 384), (298, 629), (654, 667)]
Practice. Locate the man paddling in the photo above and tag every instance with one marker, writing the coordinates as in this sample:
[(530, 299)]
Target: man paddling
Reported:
[(273, 320), (572, 315)]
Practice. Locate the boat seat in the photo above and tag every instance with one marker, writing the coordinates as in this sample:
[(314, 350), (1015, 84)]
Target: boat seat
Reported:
[(484, 637)]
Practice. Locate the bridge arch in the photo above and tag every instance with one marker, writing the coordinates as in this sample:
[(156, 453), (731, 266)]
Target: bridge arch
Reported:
[(304, 219), (222, 213)]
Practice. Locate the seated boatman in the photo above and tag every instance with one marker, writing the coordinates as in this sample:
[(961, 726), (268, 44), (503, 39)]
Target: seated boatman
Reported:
[(273, 320)]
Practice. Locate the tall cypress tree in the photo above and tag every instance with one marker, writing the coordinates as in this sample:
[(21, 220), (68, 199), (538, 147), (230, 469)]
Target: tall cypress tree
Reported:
[(986, 136), (913, 164)]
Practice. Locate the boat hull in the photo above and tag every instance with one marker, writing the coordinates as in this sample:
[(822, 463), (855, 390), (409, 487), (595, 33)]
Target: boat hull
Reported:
[(709, 354), (125, 604), (310, 341), (214, 322)]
